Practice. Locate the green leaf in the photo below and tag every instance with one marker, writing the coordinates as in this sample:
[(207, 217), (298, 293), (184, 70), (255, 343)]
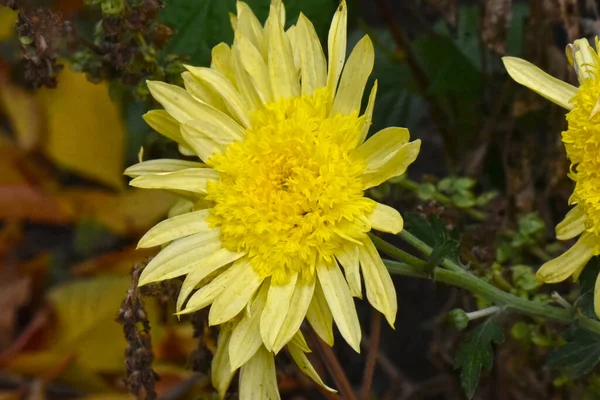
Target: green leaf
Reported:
[(587, 282), (523, 277), (475, 353), (425, 191), (433, 232), (579, 356)]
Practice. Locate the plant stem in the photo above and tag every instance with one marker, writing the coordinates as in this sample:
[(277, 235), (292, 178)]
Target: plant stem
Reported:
[(483, 313), (424, 248), (413, 186), (395, 252)]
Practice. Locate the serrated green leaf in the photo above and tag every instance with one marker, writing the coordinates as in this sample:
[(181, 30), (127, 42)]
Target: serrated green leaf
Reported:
[(579, 356), (475, 353)]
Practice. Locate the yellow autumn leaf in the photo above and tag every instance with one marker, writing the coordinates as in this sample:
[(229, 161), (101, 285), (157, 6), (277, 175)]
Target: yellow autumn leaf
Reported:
[(86, 328), (85, 129), (7, 21)]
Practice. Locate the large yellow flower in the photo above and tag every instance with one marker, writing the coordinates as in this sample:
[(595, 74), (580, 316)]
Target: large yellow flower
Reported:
[(582, 143), (278, 210)]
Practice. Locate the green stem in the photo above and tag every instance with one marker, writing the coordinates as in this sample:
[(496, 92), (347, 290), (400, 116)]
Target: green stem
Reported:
[(395, 252), (425, 249), (413, 186), (465, 280)]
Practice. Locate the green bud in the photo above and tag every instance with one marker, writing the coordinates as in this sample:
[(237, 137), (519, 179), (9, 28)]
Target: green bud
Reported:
[(458, 319)]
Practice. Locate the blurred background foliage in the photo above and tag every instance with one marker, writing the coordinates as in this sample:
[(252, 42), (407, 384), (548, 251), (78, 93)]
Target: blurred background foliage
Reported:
[(488, 188)]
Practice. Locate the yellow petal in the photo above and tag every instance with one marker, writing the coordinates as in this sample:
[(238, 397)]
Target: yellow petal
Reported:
[(163, 123), (231, 301), (336, 43), (244, 84), (258, 378), (175, 228), (202, 92), (293, 38), (312, 60), (246, 340), (378, 283), (319, 316), (221, 374), (382, 147), (178, 257), (368, 115), (282, 72), (159, 166), (221, 60), (529, 75), (583, 58), (395, 166), (200, 270), (305, 366), (176, 101), (202, 144), (597, 296), (181, 206), (208, 293), (219, 83), (386, 219), (340, 302), (191, 179), (278, 304), (565, 265), (354, 78), (255, 66), (347, 256), (303, 294), (248, 25), (572, 225)]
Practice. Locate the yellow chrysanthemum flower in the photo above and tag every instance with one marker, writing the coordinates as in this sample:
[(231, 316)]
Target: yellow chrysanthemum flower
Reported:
[(278, 210), (582, 144)]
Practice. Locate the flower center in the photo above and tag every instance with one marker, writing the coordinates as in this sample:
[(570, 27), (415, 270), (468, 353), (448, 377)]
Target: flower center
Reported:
[(291, 192), (587, 194), (583, 134)]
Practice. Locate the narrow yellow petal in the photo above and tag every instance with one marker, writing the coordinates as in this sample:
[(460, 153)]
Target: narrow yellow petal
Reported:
[(191, 179), (572, 225), (319, 315), (176, 100), (202, 92), (258, 378), (381, 147), (200, 270), (313, 65), (305, 366), (160, 166), (582, 57), (162, 122), (248, 25), (303, 294), (231, 301), (597, 296), (219, 83), (221, 61), (244, 84), (354, 78), (278, 304), (221, 374), (203, 146), (175, 228), (177, 258), (282, 72), (368, 115), (378, 283), (340, 302), (565, 265), (337, 47), (547, 86), (293, 38), (347, 256), (386, 219), (255, 66), (208, 293), (395, 166), (246, 340), (181, 206), (300, 342)]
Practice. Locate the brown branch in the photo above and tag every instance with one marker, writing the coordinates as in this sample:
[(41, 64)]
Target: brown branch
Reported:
[(333, 366), (371, 356)]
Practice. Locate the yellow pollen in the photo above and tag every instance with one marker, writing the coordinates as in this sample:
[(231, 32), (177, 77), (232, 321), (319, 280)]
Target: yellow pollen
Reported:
[(292, 190), (583, 134), (587, 195)]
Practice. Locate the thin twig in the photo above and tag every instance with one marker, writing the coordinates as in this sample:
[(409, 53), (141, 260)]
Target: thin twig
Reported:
[(335, 369), (371, 356)]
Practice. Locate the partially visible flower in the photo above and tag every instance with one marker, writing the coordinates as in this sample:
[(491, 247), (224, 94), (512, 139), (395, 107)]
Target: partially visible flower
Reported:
[(582, 144)]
